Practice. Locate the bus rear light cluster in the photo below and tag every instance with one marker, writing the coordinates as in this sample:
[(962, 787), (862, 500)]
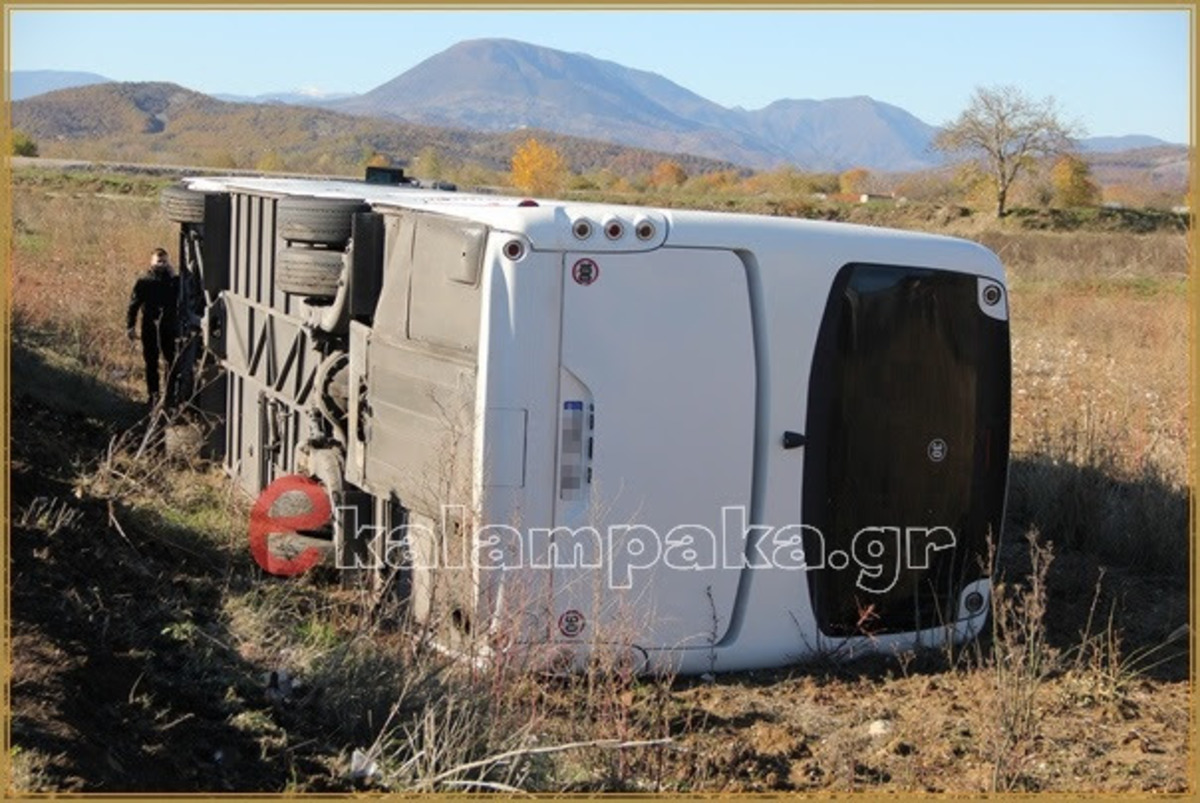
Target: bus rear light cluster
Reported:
[(614, 228)]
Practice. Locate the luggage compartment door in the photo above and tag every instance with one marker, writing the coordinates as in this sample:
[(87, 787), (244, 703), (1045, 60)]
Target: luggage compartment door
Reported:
[(657, 405), (411, 422)]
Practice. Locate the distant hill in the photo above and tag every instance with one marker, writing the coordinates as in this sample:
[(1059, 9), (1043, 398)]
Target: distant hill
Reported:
[(1164, 168), (500, 85), (847, 132), (28, 83), (297, 98), (1117, 144), (162, 123)]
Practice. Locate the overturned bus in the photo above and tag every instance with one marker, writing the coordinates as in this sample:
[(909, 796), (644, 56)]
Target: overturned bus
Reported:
[(702, 441)]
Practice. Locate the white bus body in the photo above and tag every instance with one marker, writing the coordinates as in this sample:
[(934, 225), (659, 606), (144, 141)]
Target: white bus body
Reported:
[(705, 441)]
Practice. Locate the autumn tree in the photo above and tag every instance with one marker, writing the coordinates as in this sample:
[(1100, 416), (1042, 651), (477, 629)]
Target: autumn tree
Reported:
[(377, 159), (1005, 131), (538, 169), (854, 181), (1073, 184), (668, 174)]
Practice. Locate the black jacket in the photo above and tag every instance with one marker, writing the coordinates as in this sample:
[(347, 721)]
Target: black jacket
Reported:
[(157, 295)]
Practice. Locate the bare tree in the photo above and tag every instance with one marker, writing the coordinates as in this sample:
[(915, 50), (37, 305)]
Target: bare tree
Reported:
[(1006, 130)]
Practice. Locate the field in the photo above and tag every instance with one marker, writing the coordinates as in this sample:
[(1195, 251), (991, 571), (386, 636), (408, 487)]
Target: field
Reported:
[(150, 654)]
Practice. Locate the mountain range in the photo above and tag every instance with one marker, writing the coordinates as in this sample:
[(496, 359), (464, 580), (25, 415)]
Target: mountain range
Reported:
[(499, 84), (505, 86)]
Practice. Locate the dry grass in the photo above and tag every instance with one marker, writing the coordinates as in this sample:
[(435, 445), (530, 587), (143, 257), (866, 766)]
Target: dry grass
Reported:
[(1101, 419), (1100, 472), (76, 253), (1096, 261)]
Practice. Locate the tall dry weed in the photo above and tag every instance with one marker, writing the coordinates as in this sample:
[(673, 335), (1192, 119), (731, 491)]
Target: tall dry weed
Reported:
[(1022, 659)]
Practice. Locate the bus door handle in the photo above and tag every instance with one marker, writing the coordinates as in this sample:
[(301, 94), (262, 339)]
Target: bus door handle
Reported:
[(793, 440)]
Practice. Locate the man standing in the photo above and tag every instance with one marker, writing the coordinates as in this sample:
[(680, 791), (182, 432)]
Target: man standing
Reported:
[(156, 293)]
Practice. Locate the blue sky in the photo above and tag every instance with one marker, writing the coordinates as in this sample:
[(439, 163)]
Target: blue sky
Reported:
[(1114, 71)]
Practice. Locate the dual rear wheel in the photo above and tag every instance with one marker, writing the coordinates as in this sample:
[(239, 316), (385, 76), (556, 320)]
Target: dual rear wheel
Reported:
[(317, 231)]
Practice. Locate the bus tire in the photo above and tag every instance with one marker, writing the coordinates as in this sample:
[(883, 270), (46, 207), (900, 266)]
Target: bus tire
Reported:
[(182, 205), (317, 221), (311, 272)]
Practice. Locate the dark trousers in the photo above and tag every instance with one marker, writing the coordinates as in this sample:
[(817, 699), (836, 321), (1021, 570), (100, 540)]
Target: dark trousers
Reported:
[(159, 341)]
